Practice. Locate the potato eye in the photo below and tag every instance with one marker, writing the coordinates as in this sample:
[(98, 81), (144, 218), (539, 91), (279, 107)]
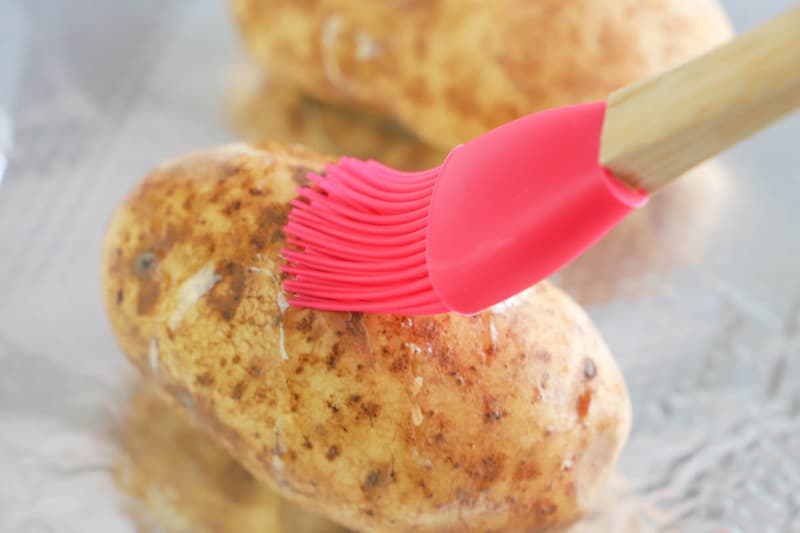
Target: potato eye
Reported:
[(144, 262)]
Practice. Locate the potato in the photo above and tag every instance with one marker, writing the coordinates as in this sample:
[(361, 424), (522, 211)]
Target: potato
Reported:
[(261, 108), (451, 69), (180, 481), (508, 420)]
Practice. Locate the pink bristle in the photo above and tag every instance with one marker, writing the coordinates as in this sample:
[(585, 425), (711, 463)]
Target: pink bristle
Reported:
[(358, 236), (323, 263), (311, 218)]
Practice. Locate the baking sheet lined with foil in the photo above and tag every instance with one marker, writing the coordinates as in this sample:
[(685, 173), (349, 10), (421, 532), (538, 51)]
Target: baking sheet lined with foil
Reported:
[(698, 295)]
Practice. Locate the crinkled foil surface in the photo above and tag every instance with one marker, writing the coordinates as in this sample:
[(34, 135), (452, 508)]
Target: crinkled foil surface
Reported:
[(699, 298)]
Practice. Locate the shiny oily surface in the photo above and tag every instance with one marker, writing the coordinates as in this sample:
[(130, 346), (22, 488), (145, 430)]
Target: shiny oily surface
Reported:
[(698, 298)]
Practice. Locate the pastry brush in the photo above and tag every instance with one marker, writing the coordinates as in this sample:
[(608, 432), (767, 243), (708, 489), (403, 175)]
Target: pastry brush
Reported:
[(512, 206)]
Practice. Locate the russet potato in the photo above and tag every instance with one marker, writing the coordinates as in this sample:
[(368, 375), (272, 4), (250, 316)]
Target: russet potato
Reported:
[(510, 420), (449, 70)]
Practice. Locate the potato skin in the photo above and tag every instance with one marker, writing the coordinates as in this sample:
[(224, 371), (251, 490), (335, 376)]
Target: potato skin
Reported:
[(451, 69), (507, 421), (261, 107)]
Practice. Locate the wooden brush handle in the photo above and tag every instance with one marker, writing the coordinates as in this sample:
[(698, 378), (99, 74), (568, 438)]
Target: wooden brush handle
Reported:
[(659, 128)]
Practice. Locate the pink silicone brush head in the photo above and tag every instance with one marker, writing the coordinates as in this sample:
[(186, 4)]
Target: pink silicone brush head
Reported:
[(504, 211), (360, 240)]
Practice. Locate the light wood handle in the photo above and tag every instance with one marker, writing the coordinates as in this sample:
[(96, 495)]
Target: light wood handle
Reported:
[(657, 129)]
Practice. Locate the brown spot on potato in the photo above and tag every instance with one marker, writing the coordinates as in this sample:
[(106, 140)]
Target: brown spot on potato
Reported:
[(271, 216), (502, 113), (307, 443), (255, 370), (300, 176), (492, 410), (257, 242), (174, 233), (546, 508), (238, 390), (418, 91), (229, 169), (144, 270), (377, 479), (400, 364), (492, 467), (371, 409), (334, 355), (373, 479), (188, 202), (205, 379), (277, 236), (225, 296), (232, 207), (332, 407), (488, 470), (144, 262), (332, 453), (584, 402), (306, 322), (120, 296), (538, 394), (294, 404), (460, 98), (149, 292), (525, 471)]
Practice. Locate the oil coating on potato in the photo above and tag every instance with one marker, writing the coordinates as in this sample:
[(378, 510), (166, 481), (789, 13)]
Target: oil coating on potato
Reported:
[(451, 69), (506, 421)]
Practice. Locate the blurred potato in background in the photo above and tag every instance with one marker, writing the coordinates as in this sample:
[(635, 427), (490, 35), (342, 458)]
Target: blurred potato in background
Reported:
[(449, 70)]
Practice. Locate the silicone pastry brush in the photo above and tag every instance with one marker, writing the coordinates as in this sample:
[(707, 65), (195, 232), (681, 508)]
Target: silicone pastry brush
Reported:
[(514, 205)]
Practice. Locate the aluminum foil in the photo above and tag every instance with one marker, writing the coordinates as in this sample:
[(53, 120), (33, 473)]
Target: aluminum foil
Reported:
[(698, 296)]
